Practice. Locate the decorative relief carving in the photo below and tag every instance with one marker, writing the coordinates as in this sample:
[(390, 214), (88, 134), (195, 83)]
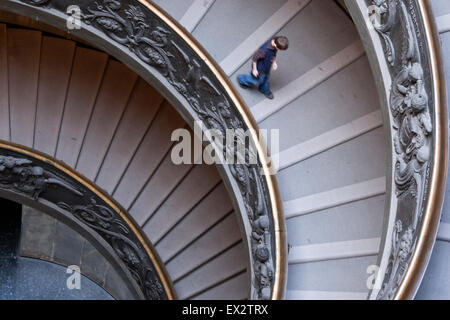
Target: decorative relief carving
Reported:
[(132, 25), (36, 2), (105, 222), (22, 176), (383, 23), (40, 181), (412, 126)]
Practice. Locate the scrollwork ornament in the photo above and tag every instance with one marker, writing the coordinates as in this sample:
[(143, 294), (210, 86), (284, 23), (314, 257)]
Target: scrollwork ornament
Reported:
[(412, 127), (383, 19), (106, 223), (23, 176), (37, 2)]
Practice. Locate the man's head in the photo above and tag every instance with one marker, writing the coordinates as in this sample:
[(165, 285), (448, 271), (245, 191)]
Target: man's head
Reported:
[(281, 42)]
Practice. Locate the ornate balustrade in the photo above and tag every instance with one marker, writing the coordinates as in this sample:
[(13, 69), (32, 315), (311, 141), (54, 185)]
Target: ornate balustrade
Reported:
[(403, 49)]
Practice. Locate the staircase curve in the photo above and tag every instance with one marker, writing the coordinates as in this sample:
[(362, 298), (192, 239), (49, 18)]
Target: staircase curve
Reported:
[(333, 174)]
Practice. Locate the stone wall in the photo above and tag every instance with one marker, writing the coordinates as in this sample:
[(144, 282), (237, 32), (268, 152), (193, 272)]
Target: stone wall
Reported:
[(44, 237)]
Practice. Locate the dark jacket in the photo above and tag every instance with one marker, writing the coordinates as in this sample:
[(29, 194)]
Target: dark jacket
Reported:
[(264, 57)]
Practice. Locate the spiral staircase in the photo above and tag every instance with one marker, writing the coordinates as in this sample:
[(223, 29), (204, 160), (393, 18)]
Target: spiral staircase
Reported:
[(67, 98)]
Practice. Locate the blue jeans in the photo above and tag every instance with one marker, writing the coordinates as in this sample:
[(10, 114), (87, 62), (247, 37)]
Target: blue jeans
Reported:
[(250, 81)]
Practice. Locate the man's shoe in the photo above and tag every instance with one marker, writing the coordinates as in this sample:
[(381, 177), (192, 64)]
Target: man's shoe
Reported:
[(269, 96), (243, 86)]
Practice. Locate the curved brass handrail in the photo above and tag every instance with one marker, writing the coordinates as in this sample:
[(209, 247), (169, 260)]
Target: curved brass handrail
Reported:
[(242, 181), (31, 175), (399, 50)]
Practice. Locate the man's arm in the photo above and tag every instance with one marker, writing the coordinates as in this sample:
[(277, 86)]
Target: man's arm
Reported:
[(259, 54), (255, 69), (275, 65)]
